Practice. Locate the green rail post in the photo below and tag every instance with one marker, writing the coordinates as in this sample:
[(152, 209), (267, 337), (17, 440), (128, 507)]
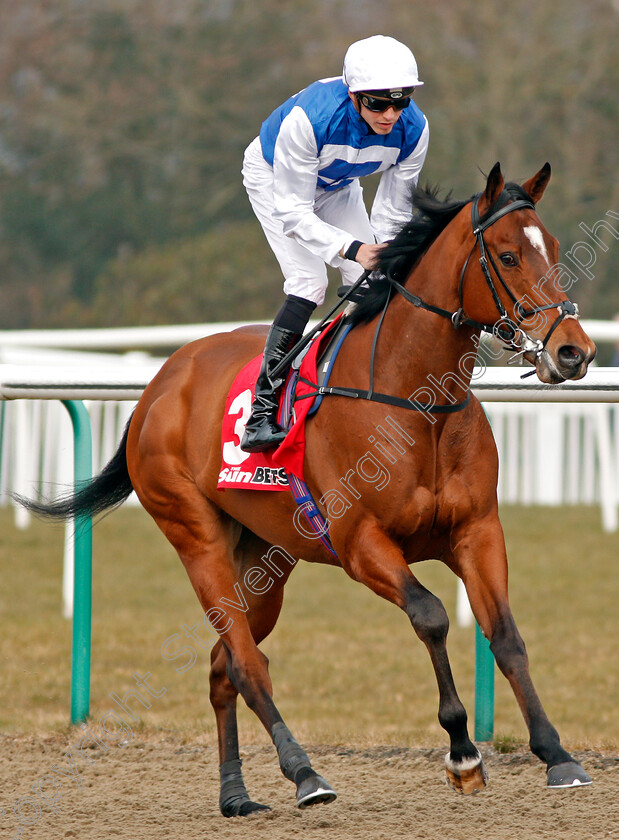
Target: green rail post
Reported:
[(82, 560), (484, 688), (484, 685)]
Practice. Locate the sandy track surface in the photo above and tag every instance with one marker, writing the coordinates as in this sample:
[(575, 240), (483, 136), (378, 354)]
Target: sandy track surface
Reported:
[(163, 788)]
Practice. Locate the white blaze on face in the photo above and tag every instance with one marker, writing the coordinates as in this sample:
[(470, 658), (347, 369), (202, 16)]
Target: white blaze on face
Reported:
[(536, 238)]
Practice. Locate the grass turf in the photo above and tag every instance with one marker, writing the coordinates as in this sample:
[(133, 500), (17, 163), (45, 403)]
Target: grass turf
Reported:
[(346, 666)]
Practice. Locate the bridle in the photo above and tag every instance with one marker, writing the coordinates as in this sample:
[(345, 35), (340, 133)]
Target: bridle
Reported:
[(508, 331)]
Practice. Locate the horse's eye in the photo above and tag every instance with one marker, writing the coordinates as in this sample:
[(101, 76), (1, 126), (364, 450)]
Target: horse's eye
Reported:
[(509, 259)]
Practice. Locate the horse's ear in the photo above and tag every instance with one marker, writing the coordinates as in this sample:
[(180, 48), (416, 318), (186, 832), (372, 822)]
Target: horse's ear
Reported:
[(536, 185), (494, 188)]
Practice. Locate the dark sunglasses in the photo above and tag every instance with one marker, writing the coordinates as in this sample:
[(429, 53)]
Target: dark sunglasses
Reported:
[(379, 103)]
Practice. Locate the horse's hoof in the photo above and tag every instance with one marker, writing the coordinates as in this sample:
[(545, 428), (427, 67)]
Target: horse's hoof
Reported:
[(314, 790), (567, 775), (466, 776), (243, 809), (250, 807)]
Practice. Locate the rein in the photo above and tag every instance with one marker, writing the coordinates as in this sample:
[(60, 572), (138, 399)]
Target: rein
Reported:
[(373, 396)]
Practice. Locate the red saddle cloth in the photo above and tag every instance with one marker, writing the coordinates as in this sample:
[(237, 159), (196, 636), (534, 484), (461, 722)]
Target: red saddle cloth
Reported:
[(266, 470)]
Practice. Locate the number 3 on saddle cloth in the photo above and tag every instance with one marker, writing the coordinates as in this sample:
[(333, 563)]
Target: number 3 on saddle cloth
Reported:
[(282, 468)]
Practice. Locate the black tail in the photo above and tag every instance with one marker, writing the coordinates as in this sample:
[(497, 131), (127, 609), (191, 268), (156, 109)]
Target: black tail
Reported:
[(108, 489)]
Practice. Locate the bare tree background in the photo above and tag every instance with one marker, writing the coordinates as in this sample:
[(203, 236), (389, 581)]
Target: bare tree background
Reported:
[(123, 123)]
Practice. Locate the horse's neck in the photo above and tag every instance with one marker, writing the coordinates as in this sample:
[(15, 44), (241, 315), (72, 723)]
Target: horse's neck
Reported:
[(425, 350)]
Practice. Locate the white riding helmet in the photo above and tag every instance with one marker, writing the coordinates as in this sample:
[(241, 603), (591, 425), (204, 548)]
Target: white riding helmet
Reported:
[(379, 63)]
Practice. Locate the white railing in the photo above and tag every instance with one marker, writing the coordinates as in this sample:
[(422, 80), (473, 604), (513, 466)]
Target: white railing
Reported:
[(124, 338), (567, 453), (115, 338), (36, 435)]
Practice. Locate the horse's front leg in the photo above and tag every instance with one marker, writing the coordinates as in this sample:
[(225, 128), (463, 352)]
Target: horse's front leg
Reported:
[(375, 560), (480, 558)]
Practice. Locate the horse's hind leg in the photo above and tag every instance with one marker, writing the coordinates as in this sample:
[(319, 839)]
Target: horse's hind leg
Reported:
[(234, 800), (205, 540), (481, 560), (262, 615)]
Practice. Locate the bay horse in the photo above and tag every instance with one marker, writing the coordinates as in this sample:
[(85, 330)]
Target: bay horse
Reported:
[(459, 267)]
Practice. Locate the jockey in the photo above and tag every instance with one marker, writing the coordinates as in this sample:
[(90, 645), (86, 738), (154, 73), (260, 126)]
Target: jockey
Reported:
[(302, 178)]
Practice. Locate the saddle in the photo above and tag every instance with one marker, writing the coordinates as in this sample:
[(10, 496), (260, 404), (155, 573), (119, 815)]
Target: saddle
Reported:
[(268, 470), (281, 469)]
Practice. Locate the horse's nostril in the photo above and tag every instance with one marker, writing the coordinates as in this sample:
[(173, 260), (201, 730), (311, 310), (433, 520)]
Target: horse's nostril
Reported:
[(571, 356)]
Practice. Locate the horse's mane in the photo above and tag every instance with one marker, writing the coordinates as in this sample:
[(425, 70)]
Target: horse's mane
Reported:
[(431, 215)]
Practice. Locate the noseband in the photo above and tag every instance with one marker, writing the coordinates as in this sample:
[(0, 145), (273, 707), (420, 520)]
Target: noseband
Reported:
[(510, 333)]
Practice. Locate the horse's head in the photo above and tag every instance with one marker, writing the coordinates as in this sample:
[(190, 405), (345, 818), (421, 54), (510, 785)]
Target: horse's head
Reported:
[(516, 285)]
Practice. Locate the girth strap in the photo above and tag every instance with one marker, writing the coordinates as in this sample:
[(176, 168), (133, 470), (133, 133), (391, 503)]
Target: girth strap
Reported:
[(373, 396)]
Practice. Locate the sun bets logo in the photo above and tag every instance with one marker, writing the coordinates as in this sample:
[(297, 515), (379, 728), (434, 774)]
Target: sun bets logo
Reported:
[(264, 476)]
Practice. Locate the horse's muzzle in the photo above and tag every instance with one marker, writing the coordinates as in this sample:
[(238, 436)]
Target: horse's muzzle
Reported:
[(568, 362)]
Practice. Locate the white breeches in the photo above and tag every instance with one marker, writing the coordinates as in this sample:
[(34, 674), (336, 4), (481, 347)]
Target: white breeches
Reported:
[(305, 274)]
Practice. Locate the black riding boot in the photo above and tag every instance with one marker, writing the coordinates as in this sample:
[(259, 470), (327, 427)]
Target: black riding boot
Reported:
[(262, 430)]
